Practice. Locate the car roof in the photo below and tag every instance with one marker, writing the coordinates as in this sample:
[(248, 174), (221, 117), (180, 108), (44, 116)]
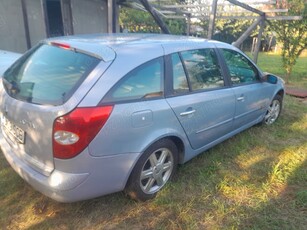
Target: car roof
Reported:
[(107, 45)]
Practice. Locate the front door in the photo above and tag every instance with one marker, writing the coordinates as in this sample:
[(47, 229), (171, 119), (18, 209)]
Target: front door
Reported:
[(202, 103), (250, 92)]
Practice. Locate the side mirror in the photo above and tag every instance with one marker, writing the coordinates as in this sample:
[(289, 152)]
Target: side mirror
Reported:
[(270, 78)]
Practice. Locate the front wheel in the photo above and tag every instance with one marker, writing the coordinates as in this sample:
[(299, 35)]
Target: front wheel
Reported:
[(153, 170), (273, 111)]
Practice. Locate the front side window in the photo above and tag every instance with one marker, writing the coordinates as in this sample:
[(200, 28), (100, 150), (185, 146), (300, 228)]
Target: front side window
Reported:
[(241, 70), (203, 69), (47, 75), (143, 82)]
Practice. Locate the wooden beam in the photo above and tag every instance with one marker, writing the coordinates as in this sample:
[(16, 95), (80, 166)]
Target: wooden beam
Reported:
[(176, 16), (115, 15), (134, 5), (155, 15), (185, 6), (219, 14), (208, 5), (247, 7), (26, 23), (247, 32), (212, 19), (281, 18), (206, 17), (110, 15), (67, 17), (275, 10), (255, 55), (45, 16), (189, 25), (174, 10)]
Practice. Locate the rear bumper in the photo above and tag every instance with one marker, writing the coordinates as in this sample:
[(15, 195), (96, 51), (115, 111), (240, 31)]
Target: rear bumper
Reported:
[(97, 176)]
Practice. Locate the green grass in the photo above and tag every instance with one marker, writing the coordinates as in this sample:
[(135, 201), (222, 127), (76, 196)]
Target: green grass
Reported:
[(270, 62), (255, 180)]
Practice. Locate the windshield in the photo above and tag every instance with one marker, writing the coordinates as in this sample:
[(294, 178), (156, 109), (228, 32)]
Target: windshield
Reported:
[(48, 74)]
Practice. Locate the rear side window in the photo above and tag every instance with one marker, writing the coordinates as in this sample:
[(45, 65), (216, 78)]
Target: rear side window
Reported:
[(48, 75), (180, 83), (203, 69), (143, 82)]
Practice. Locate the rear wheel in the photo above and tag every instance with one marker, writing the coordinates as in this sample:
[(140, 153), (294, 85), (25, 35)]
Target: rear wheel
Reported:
[(153, 170), (273, 111)]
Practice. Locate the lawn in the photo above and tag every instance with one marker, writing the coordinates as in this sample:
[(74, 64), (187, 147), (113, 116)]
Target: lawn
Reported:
[(270, 62), (255, 180)]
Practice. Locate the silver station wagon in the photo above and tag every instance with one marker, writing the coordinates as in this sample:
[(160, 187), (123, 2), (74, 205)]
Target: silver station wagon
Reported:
[(84, 116)]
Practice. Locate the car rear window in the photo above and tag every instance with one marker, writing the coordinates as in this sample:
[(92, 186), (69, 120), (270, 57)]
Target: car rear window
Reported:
[(48, 74)]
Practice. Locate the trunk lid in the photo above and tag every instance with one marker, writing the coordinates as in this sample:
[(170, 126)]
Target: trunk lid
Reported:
[(34, 123), (48, 81)]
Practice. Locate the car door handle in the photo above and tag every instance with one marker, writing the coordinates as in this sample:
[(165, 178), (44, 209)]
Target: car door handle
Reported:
[(187, 112), (240, 99)]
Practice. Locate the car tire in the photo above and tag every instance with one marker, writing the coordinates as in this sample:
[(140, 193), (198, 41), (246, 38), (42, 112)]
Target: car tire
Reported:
[(273, 111), (153, 170)]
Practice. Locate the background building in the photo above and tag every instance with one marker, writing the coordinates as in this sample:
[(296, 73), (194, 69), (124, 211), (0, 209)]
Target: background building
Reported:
[(25, 22)]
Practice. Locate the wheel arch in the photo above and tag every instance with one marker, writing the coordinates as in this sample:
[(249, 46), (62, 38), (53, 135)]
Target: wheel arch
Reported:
[(281, 93), (180, 146), (175, 139)]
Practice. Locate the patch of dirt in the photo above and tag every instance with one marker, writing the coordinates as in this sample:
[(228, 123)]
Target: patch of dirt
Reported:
[(296, 92)]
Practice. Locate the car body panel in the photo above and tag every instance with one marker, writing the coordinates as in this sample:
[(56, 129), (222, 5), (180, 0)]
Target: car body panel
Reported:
[(104, 166), (71, 180), (212, 116), (128, 125), (250, 104)]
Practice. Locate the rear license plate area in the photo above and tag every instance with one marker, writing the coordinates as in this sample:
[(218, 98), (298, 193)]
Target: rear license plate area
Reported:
[(12, 131)]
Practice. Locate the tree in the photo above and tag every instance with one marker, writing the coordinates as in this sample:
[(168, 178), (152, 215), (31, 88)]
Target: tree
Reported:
[(229, 30), (137, 21), (292, 34), (140, 21)]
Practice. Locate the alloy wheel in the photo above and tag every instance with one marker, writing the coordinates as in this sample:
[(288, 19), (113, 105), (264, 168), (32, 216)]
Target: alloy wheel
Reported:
[(273, 112), (156, 171)]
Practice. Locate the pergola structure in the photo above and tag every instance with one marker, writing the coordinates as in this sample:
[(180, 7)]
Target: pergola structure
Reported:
[(233, 9)]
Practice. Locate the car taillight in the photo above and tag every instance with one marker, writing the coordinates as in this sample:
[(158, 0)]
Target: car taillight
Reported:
[(74, 131)]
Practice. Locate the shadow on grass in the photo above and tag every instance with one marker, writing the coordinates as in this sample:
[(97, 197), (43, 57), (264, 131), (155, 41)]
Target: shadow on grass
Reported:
[(288, 210)]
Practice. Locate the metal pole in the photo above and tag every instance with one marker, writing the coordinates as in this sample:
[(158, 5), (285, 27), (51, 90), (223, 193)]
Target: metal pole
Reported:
[(259, 40), (247, 32), (26, 24), (155, 15), (212, 19)]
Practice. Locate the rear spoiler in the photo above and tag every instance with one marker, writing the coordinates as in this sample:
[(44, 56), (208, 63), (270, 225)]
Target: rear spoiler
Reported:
[(97, 50)]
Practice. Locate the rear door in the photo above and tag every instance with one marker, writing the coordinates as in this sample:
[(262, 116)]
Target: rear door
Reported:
[(42, 85), (251, 94), (202, 102)]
